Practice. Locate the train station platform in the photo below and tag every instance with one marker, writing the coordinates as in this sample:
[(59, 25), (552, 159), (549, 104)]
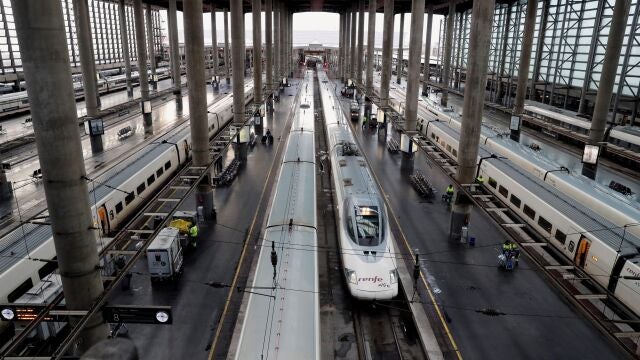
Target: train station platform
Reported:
[(489, 313), (204, 316)]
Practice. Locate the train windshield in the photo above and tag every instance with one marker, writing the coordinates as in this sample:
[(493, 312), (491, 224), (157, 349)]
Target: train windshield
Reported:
[(367, 225)]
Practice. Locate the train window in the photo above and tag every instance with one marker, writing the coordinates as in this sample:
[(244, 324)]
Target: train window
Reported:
[(119, 207), (561, 237), (544, 224), (515, 201), (454, 152), (503, 191), (433, 135), (48, 268), (129, 198), (449, 148), (141, 188), (151, 180), (529, 211), (20, 290), (159, 172), (493, 182), (167, 165)]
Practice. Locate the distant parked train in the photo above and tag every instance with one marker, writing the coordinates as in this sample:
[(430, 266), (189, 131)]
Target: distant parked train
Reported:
[(108, 81), (119, 194), (366, 243), (627, 137)]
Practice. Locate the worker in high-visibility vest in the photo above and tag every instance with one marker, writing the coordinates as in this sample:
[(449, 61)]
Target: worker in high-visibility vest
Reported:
[(193, 235)]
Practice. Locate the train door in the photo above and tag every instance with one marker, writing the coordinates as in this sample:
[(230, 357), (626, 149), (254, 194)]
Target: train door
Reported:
[(104, 219), (583, 250)]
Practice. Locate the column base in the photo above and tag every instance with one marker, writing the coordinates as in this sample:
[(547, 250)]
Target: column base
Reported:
[(515, 135), (406, 164), (147, 117), (241, 150), (5, 186), (589, 170), (204, 199), (96, 144)]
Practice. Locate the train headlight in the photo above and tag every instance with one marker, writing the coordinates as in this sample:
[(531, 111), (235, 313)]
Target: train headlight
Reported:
[(393, 276), (351, 276)]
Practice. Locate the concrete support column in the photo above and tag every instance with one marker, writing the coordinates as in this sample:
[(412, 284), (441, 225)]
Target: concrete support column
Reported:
[(427, 52), (175, 53), (525, 56), (41, 33), (347, 46), (284, 28), (448, 44), (238, 57), (387, 51), (88, 66), (268, 30), (607, 79), (458, 74), (277, 46), (340, 45), (413, 71), (194, 54), (257, 51), (480, 38), (124, 40), (293, 63), (227, 65), (354, 45), (503, 56), (360, 41), (214, 40), (371, 39), (400, 55), (152, 50), (141, 46)]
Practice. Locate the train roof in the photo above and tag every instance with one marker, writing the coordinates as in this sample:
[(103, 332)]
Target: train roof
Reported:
[(612, 235), (121, 174), (559, 116), (287, 325), (17, 244)]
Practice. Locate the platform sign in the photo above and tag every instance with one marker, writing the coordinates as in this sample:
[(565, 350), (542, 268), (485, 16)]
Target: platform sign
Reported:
[(515, 123), (407, 145), (29, 312), (138, 314), (590, 154)]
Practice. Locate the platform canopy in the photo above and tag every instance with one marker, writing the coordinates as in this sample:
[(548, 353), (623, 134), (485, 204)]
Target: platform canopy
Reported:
[(439, 6)]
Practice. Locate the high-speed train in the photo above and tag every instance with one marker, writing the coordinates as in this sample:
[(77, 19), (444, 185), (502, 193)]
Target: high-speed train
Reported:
[(627, 137), (108, 82), (433, 121), (287, 326), (115, 196), (602, 248), (366, 243), (608, 253)]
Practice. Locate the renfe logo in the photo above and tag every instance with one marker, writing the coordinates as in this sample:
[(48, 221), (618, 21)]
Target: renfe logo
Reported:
[(374, 279)]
